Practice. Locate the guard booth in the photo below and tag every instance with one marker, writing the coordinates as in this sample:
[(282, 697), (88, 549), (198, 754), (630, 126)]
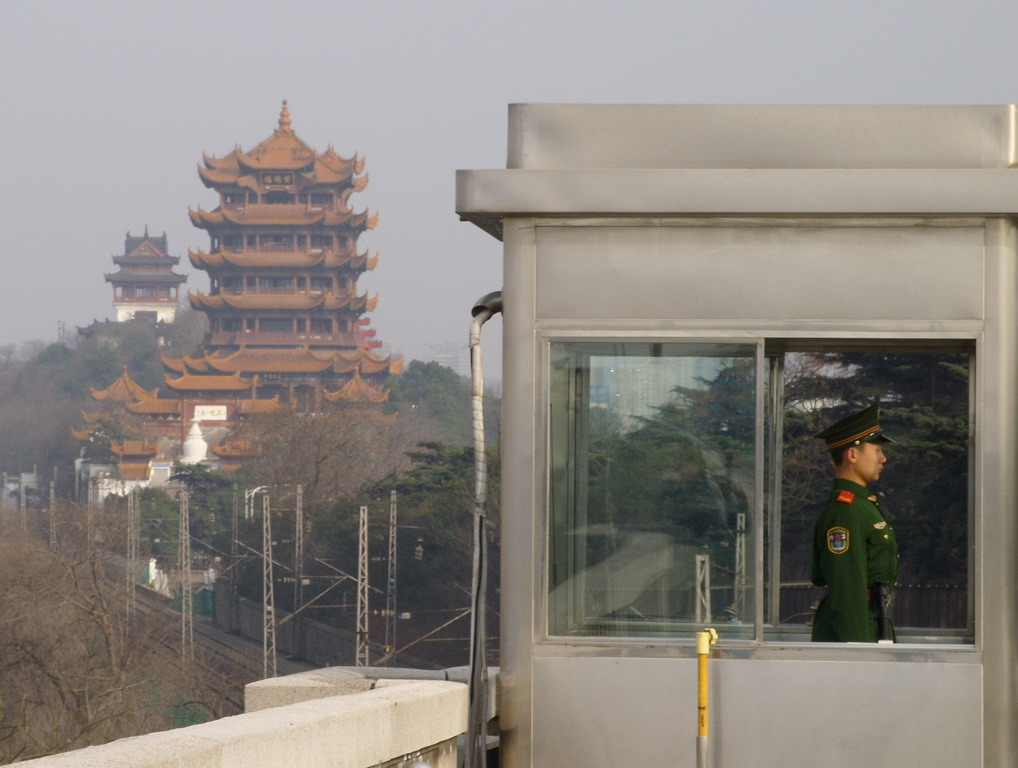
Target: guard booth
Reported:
[(690, 292)]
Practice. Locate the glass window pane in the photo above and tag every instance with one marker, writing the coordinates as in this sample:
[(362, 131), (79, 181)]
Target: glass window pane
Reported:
[(924, 489), (651, 487)]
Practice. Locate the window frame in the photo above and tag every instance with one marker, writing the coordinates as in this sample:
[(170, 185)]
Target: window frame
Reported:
[(769, 404)]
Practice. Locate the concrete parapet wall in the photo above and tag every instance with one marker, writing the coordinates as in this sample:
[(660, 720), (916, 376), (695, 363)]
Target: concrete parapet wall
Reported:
[(392, 723)]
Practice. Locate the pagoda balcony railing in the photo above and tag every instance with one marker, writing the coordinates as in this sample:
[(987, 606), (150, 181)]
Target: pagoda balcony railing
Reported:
[(282, 338), (268, 290), (309, 207), (267, 248), (314, 291), (145, 299)]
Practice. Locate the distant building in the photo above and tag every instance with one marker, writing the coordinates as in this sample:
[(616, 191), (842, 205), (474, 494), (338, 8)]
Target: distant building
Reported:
[(145, 286), (285, 317), (451, 355), (287, 327)]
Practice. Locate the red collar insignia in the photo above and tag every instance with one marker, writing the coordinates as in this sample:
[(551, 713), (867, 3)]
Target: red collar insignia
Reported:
[(845, 497)]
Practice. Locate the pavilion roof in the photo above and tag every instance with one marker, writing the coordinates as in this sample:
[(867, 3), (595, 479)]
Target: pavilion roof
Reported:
[(145, 277), (145, 245), (190, 363), (238, 170), (263, 405), (276, 215), (81, 434), (236, 449), (356, 390), (281, 215), (283, 150), (134, 448), (146, 260), (124, 389), (156, 406), (211, 383), (249, 360)]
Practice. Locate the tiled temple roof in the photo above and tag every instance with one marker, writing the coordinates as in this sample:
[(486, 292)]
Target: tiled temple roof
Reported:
[(356, 390), (124, 389), (211, 383)]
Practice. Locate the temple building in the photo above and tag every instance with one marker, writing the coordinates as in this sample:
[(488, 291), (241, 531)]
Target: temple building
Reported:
[(145, 285), (288, 329), (285, 316)]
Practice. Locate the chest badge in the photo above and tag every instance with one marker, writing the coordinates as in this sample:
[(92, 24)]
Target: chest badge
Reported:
[(837, 540), (881, 525)]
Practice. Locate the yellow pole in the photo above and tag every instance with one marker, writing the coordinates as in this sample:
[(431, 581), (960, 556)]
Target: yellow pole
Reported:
[(705, 638)]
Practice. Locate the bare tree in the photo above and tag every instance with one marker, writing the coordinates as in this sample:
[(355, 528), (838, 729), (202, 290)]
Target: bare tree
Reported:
[(333, 455), (74, 671)]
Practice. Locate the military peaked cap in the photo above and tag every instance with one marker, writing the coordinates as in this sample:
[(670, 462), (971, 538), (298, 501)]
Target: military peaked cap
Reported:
[(862, 427)]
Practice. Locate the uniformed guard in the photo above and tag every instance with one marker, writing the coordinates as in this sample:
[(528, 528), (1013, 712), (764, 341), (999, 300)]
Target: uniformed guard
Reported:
[(855, 554)]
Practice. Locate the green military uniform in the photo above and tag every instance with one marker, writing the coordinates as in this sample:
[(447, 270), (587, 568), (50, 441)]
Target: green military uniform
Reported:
[(854, 546)]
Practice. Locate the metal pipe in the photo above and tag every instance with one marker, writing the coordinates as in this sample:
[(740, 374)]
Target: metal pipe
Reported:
[(477, 721), (705, 638)]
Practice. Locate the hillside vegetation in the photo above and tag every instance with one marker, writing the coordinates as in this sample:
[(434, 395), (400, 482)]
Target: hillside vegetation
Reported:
[(341, 461)]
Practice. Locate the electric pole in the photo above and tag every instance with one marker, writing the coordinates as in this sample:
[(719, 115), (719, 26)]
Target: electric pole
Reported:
[(234, 564), (390, 590), (268, 590), (133, 535), (22, 503), (53, 510), (362, 655), (186, 608), (298, 574)]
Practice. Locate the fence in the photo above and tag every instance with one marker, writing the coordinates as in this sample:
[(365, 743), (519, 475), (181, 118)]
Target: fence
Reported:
[(928, 606)]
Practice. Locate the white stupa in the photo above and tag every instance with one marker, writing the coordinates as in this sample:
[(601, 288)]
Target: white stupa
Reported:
[(195, 448)]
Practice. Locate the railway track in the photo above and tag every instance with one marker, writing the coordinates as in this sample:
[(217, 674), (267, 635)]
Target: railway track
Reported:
[(230, 660)]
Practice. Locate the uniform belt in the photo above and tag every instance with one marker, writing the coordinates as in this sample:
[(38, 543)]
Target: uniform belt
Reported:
[(872, 596)]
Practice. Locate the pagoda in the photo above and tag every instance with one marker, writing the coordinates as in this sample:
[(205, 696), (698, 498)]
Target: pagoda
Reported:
[(145, 285), (285, 316)]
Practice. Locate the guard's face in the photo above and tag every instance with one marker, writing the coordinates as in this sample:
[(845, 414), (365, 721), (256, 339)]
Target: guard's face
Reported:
[(869, 462)]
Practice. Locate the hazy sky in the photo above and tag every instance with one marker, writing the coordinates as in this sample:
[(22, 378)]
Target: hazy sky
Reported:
[(108, 105)]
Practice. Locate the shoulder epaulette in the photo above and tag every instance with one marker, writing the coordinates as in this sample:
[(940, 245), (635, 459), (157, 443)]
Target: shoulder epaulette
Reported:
[(845, 497)]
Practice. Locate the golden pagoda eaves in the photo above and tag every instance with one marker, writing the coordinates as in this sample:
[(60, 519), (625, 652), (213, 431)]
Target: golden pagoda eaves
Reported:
[(124, 389), (211, 383), (356, 390), (158, 406), (247, 360), (236, 449), (133, 448), (264, 406)]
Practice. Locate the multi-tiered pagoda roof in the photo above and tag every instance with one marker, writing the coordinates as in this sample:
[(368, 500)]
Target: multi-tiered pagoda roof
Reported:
[(145, 285), (284, 311), (288, 327)]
